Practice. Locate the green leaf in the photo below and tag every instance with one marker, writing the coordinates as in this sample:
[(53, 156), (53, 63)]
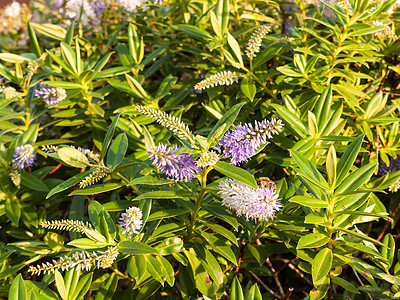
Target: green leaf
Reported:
[(69, 55), (18, 289), (70, 33), (169, 272), (164, 195), (291, 119), (222, 14), (13, 58), (155, 268), (68, 183), (33, 40), (130, 247), (85, 243), (210, 263), (236, 290), (108, 137), (309, 201), (234, 45), (254, 293), (64, 84), (169, 246), (227, 120), (54, 31), (361, 236), (107, 289), (82, 287), (137, 267), (201, 278), (248, 87), (73, 157), (348, 158), (321, 265), (117, 151), (193, 31), (312, 240), (228, 234), (13, 210), (344, 284), (168, 213), (323, 107), (389, 252), (331, 166), (62, 290), (97, 189), (33, 182), (308, 169), (136, 87), (151, 180), (236, 173), (356, 179)]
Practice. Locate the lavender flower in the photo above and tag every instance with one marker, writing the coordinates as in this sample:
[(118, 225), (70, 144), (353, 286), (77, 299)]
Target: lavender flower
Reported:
[(260, 203), (242, 142), (181, 167), (131, 220), (23, 157), (50, 94)]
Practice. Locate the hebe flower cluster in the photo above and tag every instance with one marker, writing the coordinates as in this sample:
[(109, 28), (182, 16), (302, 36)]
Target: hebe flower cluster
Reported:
[(98, 173), (84, 260), (23, 156), (260, 203), (386, 32), (254, 44), (91, 12), (242, 142), (179, 166), (170, 122), (50, 94), (221, 78), (70, 225), (131, 5), (131, 220)]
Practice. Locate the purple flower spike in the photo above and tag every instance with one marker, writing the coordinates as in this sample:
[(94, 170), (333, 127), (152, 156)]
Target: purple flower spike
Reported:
[(23, 157), (181, 167), (50, 94), (242, 142)]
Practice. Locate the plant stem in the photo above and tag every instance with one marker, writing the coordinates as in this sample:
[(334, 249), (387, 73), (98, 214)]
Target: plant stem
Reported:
[(197, 204)]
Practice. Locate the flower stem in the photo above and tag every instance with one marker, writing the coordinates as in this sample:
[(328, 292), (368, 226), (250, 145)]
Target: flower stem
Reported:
[(197, 204)]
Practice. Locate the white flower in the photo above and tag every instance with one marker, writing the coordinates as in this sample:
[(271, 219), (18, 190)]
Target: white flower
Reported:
[(131, 5), (13, 10), (260, 203), (131, 220)]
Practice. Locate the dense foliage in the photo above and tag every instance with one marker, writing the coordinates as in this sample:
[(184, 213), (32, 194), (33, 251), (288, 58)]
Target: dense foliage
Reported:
[(200, 150)]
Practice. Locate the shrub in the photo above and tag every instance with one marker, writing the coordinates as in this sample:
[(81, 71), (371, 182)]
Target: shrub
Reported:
[(132, 134)]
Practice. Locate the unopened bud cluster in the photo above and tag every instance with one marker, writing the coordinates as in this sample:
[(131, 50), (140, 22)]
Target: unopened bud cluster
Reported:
[(386, 32), (9, 92), (16, 178), (221, 78), (98, 173), (170, 122), (69, 225), (49, 149), (395, 187), (207, 159), (84, 260), (254, 44)]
